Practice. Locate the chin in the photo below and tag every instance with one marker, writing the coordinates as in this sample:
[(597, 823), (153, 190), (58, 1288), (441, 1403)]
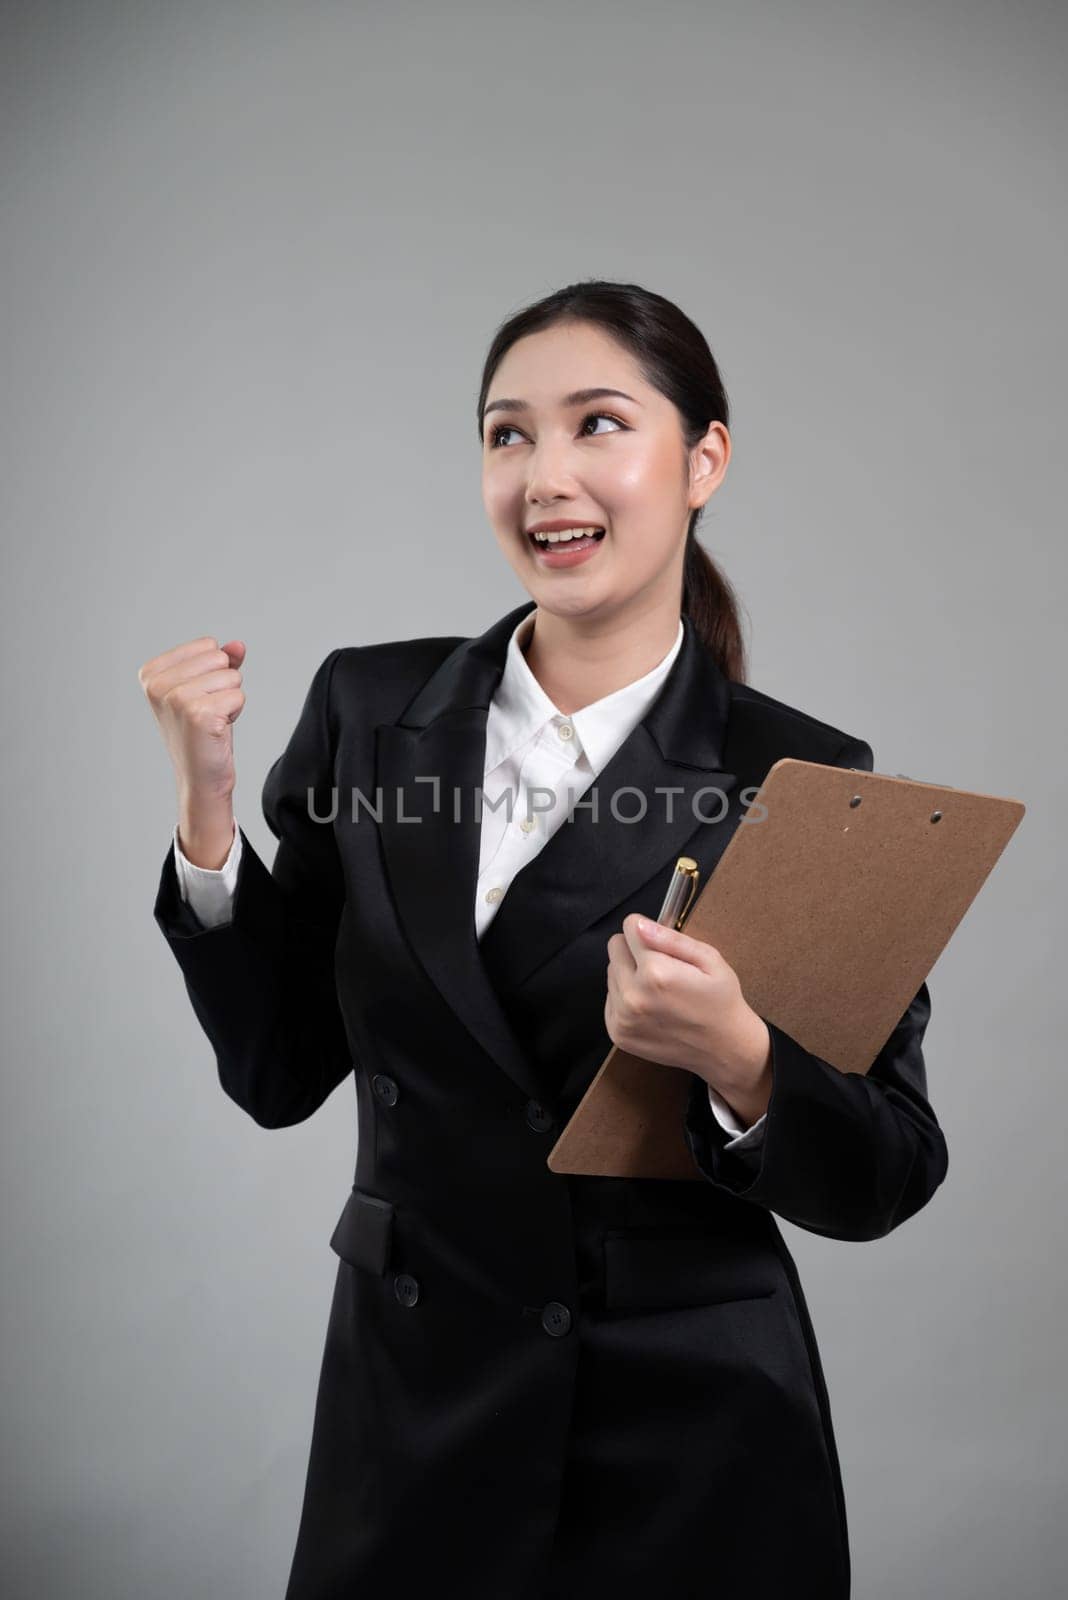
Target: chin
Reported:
[(570, 606)]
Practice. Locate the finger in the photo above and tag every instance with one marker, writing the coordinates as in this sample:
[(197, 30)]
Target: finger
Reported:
[(648, 936), (180, 652), (620, 955), (640, 948)]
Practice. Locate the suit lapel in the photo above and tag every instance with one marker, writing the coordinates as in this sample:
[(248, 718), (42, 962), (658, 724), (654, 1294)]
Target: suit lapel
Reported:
[(594, 861), (432, 862)]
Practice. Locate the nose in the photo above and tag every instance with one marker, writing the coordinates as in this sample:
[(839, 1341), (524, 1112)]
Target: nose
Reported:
[(548, 477)]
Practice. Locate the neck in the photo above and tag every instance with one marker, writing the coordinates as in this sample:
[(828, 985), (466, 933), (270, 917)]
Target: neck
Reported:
[(577, 660)]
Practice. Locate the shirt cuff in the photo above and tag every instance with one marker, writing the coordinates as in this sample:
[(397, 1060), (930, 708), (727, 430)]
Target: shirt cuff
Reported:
[(746, 1138), (209, 891)]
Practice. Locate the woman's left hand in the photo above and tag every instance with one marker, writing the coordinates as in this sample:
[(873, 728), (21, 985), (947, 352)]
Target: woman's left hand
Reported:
[(677, 1001)]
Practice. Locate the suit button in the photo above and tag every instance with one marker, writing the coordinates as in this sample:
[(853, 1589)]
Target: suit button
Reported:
[(539, 1117), (385, 1088), (556, 1319), (406, 1288)]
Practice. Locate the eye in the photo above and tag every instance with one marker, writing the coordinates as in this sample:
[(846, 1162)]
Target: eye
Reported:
[(591, 416)]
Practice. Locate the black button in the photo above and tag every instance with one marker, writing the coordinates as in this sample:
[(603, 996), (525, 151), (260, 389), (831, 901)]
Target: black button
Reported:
[(539, 1117), (406, 1288), (556, 1319), (385, 1088)]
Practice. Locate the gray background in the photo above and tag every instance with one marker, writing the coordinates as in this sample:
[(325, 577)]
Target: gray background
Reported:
[(252, 258)]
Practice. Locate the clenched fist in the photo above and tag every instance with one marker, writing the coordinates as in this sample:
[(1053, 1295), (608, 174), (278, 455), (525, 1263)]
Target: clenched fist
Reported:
[(196, 696)]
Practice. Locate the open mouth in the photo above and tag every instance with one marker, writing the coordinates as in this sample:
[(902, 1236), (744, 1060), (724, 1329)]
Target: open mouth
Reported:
[(570, 542)]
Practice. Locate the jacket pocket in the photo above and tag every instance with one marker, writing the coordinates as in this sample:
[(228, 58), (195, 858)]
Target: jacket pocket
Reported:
[(702, 1267), (364, 1233)]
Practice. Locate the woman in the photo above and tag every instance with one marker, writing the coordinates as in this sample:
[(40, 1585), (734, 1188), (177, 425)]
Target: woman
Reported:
[(536, 1385)]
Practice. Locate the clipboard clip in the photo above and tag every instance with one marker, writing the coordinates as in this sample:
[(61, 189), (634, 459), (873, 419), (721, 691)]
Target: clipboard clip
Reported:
[(680, 893)]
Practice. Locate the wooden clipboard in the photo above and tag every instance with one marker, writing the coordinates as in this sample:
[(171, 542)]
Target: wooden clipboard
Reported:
[(833, 900)]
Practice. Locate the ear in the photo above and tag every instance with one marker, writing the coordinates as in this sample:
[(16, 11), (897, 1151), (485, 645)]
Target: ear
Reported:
[(708, 464)]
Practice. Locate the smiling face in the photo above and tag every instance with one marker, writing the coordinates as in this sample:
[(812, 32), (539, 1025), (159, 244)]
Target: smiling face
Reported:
[(617, 461)]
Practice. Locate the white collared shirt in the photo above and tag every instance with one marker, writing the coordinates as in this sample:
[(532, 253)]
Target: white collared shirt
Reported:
[(545, 761)]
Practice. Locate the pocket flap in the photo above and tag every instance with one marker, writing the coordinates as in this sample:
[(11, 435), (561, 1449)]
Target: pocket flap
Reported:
[(685, 1269), (364, 1231)]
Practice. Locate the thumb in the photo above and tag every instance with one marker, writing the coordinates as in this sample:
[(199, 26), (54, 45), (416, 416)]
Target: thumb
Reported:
[(235, 649), (673, 942)]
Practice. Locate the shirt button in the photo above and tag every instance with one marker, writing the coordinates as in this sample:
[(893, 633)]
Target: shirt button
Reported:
[(565, 730), (527, 824), (493, 895)]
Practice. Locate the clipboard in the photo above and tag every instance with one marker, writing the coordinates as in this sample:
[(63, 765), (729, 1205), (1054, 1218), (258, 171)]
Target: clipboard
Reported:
[(835, 897)]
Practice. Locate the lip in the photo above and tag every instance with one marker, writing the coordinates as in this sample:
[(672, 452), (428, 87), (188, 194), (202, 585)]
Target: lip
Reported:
[(553, 556), (559, 523)]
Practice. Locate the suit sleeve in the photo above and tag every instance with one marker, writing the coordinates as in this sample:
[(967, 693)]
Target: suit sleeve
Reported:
[(262, 984), (847, 1155)]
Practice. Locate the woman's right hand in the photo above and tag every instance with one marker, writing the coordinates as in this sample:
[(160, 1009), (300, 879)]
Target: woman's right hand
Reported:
[(196, 697)]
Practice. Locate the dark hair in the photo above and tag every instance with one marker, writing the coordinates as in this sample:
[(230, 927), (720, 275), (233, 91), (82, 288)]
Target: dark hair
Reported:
[(674, 357)]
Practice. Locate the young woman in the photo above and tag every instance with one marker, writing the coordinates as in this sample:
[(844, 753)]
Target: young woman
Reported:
[(536, 1385)]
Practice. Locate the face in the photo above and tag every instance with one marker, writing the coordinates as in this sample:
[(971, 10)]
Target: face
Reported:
[(616, 461)]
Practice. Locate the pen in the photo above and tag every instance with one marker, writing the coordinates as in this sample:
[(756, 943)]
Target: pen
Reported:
[(681, 890)]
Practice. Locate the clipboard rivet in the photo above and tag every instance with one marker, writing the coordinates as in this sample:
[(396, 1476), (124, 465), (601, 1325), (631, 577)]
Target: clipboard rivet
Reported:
[(855, 801), (936, 816)]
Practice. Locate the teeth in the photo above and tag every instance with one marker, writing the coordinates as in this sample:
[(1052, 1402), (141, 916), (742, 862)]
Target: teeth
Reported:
[(565, 534)]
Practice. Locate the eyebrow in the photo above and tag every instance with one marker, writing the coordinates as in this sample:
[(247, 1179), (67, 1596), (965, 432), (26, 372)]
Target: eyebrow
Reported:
[(578, 397)]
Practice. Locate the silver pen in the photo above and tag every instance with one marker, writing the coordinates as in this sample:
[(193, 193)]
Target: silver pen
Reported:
[(680, 893)]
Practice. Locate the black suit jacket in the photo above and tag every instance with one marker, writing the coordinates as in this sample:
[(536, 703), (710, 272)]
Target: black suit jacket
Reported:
[(535, 1384)]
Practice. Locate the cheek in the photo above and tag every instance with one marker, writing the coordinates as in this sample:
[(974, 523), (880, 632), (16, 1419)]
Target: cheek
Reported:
[(640, 480), (502, 492), (651, 468)]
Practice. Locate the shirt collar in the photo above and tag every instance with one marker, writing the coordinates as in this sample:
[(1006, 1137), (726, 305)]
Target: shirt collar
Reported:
[(520, 706)]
